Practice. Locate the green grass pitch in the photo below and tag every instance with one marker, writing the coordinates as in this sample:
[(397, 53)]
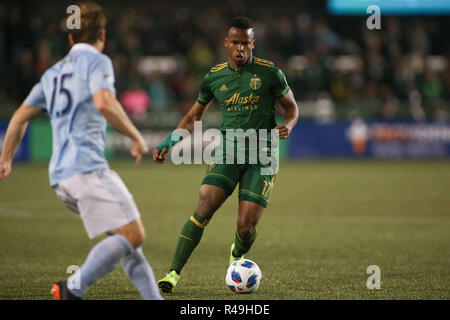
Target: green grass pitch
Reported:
[(327, 221)]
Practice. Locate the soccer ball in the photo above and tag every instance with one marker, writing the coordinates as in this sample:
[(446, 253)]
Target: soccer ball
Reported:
[(243, 276)]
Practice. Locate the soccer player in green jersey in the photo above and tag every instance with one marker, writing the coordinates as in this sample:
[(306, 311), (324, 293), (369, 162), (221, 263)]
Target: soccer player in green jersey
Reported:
[(246, 88)]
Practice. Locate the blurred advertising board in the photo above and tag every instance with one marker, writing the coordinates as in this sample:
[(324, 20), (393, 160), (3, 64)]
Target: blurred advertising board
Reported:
[(309, 139), (361, 138), (22, 153)]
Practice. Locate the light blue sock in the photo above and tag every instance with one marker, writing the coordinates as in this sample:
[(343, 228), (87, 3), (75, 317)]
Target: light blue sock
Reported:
[(139, 271), (102, 258)]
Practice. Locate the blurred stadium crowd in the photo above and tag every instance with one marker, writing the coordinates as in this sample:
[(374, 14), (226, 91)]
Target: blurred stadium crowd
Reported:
[(334, 65)]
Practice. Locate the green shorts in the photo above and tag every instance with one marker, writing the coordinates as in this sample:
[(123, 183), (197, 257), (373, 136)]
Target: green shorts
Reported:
[(253, 186)]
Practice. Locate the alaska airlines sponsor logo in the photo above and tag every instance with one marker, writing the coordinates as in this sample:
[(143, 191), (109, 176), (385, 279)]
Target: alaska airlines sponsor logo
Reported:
[(237, 99)]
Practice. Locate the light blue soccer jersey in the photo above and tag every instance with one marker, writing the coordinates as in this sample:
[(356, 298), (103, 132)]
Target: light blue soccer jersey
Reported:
[(66, 91)]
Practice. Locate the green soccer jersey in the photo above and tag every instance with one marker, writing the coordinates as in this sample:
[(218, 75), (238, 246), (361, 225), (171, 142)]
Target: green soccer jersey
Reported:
[(246, 96)]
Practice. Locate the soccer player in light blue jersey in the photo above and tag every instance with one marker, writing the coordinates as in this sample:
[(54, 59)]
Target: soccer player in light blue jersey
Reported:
[(79, 97)]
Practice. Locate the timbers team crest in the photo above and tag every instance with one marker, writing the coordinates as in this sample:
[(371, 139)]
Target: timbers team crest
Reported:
[(255, 83)]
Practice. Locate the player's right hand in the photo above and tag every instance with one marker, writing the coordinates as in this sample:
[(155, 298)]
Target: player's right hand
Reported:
[(138, 149), (158, 155), (5, 169)]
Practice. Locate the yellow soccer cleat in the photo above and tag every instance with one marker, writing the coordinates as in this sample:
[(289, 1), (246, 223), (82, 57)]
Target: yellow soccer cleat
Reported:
[(233, 258), (168, 283)]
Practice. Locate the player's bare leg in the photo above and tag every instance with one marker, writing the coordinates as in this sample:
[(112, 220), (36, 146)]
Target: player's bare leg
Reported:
[(134, 232), (210, 199), (248, 217)]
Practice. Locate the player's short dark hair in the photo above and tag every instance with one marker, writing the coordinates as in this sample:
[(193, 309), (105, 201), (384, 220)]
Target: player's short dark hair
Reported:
[(92, 21), (241, 23)]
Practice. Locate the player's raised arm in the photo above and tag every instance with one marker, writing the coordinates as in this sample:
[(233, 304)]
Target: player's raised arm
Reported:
[(106, 102), (291, 114), (196, 113), (14, 135)]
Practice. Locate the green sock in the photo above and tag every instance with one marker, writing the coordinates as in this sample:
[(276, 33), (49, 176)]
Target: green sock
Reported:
[(189, 239), (242, 246)]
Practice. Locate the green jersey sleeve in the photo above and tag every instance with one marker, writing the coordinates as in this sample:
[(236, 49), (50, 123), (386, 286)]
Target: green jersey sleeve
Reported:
[(280, 86), (205, 95)]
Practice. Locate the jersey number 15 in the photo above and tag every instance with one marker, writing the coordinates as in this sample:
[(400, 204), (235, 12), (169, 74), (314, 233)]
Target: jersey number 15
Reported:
[(60, 112)]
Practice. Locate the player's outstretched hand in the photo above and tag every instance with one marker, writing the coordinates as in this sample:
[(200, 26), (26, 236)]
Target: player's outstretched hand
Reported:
[(5, 169), (138, 149), (283, 131), (158, 155)]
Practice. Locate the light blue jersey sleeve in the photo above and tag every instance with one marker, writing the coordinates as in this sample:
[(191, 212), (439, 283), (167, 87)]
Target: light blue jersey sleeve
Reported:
[(101, 75), (36, 98)]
